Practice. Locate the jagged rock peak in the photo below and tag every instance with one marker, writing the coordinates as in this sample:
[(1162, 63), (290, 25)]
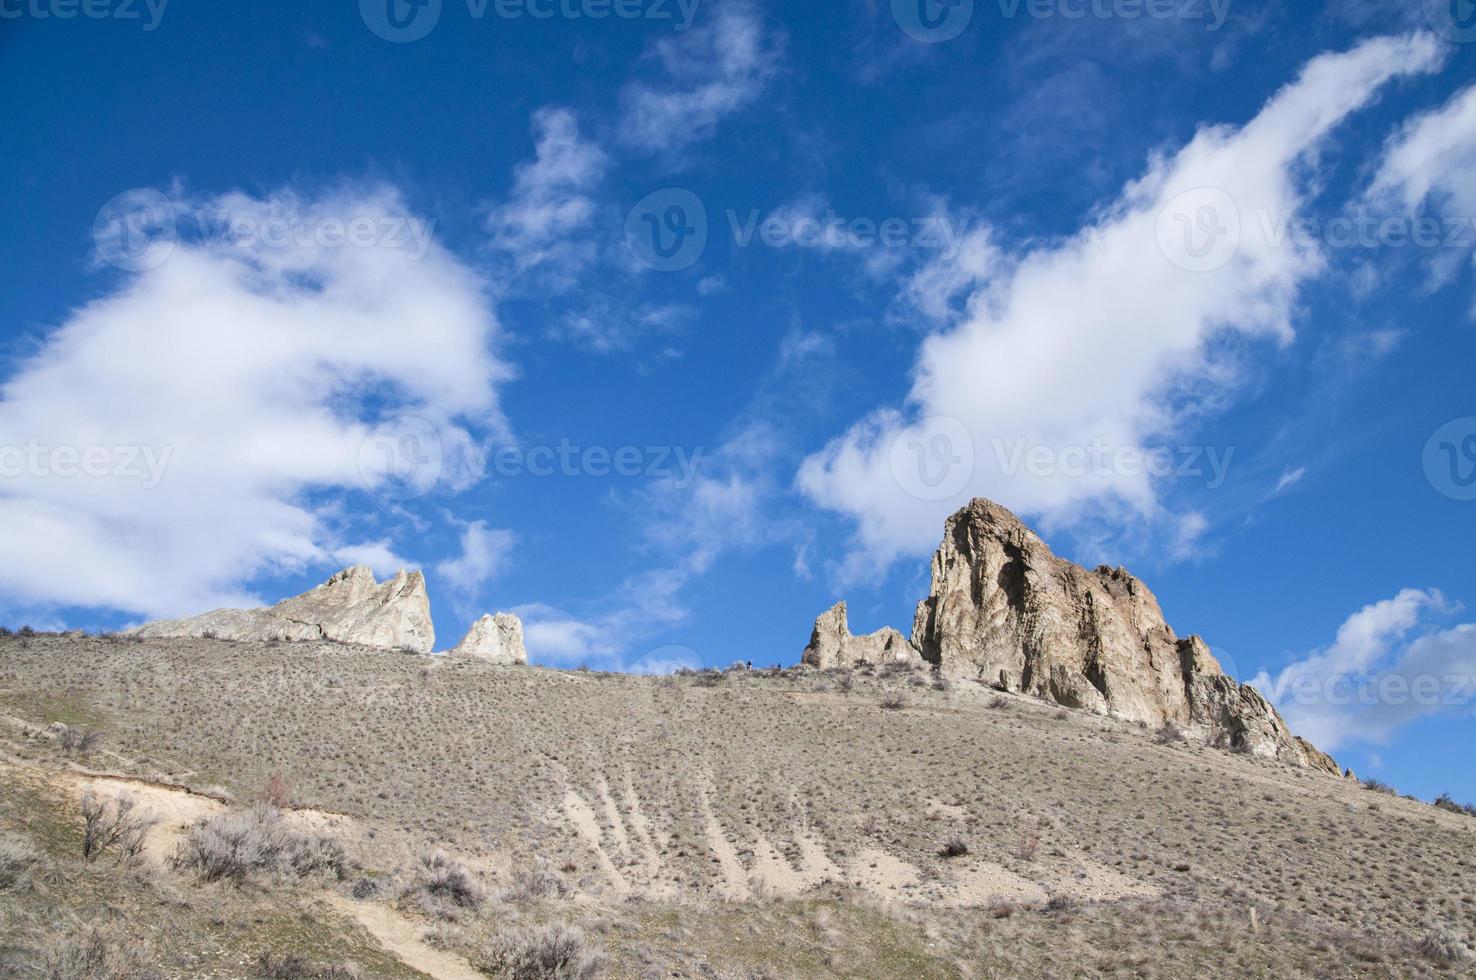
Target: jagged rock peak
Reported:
[(498, 639), (351, 607), (832, 645), (1006, 610)]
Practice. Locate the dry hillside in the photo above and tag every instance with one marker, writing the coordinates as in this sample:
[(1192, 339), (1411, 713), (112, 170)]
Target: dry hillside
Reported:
[(455, 819)]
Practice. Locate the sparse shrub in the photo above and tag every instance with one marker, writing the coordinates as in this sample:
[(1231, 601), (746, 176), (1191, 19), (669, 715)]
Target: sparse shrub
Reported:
[(78, 741), (278, 790), (708, 678), (996, 703), (552, 952), (941, 683), (1439, 946), (1028, 847), (1378, 787), (19, 859), (1001, 910), (291, 966), (1060, 902), (847, 683), (365, 888), (233, 846), (534, 884), (1062, 715), (1444, 802), (112, 826), (92, 954), (1169, 734), (954, 847), (893, 702), (440, 876)]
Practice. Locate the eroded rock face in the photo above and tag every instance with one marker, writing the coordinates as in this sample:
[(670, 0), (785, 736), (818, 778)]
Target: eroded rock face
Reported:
[(498, 639), (351, 607), (1006, 610), (832, 645)]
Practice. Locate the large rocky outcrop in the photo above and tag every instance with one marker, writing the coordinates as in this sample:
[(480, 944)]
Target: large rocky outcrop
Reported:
[(832, 645), (351, 607), (497, 639), (1007, 611)]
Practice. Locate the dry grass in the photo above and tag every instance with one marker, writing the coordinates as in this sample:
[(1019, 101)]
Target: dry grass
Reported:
[(666, 804)]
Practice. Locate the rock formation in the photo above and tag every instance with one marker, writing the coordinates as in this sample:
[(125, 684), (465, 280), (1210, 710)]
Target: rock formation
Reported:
[(832, 645), (498, 639), (351, 607), (1007, 611)]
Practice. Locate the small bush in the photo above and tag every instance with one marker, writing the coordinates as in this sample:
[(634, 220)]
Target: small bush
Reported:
[(439, 876), (291, 966), (708, 678), (1029, 845), (76, 740), (278, 790), (539, 883), (996, 703), (1378, 787), (112, 827), (893, 702), (1169, 734), (553, 952), (234, 846), (954, 847), (19, 859), (1439, 946), (92, 954), (1444, 802)]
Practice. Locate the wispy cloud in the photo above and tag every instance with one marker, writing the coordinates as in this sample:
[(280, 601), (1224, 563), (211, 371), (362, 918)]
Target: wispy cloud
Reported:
[(1374, 679), (707, 75), (1104, 338)]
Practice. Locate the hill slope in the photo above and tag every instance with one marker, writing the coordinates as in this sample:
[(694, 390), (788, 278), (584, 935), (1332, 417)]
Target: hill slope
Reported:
[(709, 825)]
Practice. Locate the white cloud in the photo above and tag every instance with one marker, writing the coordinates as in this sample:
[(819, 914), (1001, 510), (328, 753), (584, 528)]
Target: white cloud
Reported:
[(1373, 679), (1290, 478), (260, 363), (712, 72), (1430, 163), (1105, 338), (485, 553), (378, 555), (550, 204)]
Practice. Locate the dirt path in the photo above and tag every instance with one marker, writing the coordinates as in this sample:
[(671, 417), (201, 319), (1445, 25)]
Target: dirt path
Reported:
[(401, 938)]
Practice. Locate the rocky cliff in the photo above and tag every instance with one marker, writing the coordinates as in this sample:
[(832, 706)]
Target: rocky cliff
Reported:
[(498, 639), (832, 645), (1006, 611), (351, 607)]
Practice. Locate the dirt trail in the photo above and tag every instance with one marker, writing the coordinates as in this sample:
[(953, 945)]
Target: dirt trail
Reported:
[(401, 937)]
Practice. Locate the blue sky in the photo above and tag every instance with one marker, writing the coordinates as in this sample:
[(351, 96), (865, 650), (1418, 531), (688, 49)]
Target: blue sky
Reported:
[(668, 328)]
